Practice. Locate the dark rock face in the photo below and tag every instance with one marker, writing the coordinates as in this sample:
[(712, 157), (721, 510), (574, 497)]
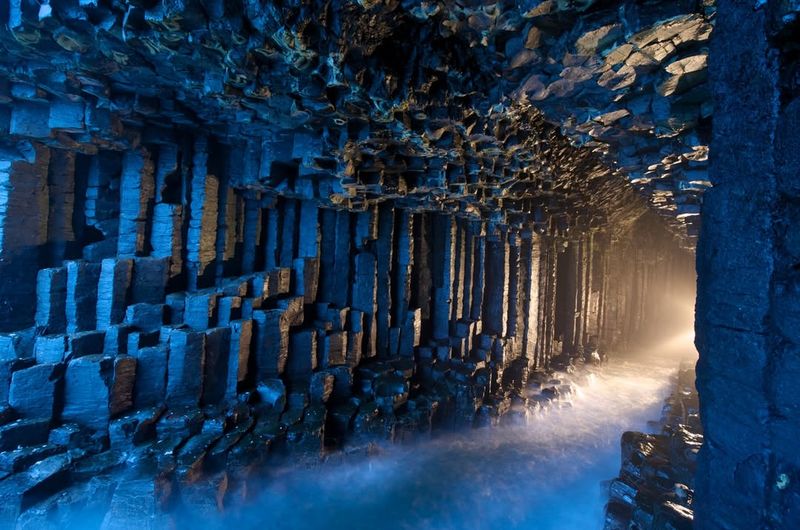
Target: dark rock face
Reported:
[(747, 317)]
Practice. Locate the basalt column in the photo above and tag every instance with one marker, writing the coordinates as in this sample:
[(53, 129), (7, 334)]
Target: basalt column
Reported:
[(178, 288)]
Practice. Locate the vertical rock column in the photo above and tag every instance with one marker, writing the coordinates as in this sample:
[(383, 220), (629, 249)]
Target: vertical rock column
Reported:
[(516, 302), (547, 304), (404, 322), (495, 302), (61, 186), (24, 205), (530, 260), (136, 194), (443, 264), (101, 205), (594, 303), (362, 334), (203, 209), (566, 289), (478, 275), (383, 255), (251, 230)]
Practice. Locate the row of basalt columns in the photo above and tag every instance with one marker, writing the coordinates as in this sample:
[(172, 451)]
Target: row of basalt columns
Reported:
[(424, 284)]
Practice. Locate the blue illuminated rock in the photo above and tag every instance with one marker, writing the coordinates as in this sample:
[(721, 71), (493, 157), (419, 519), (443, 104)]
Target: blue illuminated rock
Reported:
[(51, 297), (320, 224), (151, 376), (81, 301), (271, 343), (302, 358), (185, 366), (238, 356), (145, 316), (35, 391), (23, 432), (97, 388), (216, 366), (112, 291), (50, 349)]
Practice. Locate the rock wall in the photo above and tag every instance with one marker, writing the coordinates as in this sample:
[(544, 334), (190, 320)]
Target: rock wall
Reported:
[(158, 303), (747, 316), (231, 225)]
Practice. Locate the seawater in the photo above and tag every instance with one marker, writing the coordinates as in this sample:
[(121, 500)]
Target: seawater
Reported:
[(546, 474)]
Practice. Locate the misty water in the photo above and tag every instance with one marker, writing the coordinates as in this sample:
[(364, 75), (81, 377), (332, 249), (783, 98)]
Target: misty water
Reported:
[(546, 474)]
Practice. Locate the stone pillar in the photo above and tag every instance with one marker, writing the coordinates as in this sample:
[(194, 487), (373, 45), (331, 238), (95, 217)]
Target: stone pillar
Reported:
[(478, 276), (24, 205), (459, 272), (513, 301), (442, 263), (203, 209), (401, 267), (252, 232), (61, 194), (166, 238), (531, 259), (334, 257), (422, 283), (495, 303), (566, 293), (135, 202), (226, 228), (287, 248), (470, 256), (272, 234), (548, 305)]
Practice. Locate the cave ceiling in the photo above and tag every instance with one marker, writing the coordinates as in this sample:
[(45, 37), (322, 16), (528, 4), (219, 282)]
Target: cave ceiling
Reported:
[(564, 111)]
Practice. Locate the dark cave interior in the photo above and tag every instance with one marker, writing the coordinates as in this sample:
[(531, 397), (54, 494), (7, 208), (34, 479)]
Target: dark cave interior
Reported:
[(234, 229)]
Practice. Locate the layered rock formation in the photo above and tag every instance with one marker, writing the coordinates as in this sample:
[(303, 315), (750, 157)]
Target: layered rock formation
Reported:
[(283, 322), (226, 226)]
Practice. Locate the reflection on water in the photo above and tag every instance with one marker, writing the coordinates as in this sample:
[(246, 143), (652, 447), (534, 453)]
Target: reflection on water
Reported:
[(546, 474)]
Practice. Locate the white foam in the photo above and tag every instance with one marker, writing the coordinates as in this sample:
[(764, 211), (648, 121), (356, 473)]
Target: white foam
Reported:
[(544, 475)]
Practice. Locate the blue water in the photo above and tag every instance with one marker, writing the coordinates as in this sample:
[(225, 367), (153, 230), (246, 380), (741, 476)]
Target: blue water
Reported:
[(543, 475)]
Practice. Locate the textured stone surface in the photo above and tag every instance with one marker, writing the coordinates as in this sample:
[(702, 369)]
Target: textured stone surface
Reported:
[(97, 388), (187, 351), (747, 301), (324, 223), (33, 391)]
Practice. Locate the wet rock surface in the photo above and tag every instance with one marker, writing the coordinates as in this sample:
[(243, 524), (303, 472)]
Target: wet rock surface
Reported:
[(317, 328), (237, 232), (655, 488), (201, 464)]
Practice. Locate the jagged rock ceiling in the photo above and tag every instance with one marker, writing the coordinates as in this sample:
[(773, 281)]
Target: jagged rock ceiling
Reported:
[(499, 109)]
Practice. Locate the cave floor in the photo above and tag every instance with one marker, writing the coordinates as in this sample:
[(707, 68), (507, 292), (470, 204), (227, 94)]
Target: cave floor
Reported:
[(545, 473)]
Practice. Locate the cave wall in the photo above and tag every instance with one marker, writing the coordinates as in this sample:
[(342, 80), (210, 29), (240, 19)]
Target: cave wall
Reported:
[(747, 304), (151, 277), (230, 229)]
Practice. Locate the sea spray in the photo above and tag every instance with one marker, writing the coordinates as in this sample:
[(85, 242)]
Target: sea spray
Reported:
[(546, 474)]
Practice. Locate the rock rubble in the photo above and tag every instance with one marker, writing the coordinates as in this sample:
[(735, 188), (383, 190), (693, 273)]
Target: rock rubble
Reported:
[(655, 487)]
